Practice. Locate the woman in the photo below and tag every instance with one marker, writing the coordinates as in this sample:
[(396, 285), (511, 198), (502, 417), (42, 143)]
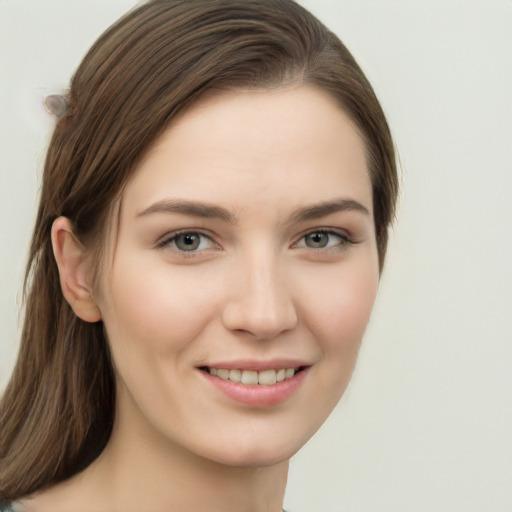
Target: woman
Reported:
[(212, 227)]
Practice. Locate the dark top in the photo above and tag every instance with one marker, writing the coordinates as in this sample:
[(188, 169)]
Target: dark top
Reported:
[(10, 507), (7, 507)]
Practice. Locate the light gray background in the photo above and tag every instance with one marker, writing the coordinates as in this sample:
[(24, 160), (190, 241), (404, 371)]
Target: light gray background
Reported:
[(426, 424)]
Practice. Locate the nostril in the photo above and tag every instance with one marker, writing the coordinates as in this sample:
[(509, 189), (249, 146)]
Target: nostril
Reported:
[(260, 308)]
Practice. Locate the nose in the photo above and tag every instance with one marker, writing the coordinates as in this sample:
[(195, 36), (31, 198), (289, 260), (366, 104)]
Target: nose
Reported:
[(260, 301)]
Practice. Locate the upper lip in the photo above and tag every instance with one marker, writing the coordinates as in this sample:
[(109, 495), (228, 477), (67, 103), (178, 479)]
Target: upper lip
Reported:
[(258, 365)]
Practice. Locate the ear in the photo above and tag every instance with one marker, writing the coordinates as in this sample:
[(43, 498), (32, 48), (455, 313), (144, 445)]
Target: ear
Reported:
[(74, 271)]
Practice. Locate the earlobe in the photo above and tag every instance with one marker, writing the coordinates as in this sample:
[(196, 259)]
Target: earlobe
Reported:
[(73, 264)]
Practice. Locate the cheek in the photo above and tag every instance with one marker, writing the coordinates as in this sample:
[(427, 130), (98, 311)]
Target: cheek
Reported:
[(351, 306), (341, 302), (338, 313), (155, 310)]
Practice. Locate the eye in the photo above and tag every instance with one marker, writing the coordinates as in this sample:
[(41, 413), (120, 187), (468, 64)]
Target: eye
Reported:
[(187, 241), (323, 239)]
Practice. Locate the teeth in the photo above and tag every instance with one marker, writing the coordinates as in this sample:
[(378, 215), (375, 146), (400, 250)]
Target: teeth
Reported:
[(252, 377), (223, 373), (267, 377), (235, 375), (249, 377)]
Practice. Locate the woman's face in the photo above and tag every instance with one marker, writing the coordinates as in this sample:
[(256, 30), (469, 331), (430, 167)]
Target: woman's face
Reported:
[(245, 253)]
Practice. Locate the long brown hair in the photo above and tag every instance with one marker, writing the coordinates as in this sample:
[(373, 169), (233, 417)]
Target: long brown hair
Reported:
[(57, 412)]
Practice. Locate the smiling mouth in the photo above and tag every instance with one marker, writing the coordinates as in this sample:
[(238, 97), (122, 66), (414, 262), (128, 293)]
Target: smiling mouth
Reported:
[(253, 377)]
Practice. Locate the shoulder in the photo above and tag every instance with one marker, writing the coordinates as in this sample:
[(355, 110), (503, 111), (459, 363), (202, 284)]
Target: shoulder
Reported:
[(76, 493), (8, 507)]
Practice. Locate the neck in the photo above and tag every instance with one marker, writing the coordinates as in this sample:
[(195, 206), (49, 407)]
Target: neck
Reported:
[(150, 481), (157, 474)]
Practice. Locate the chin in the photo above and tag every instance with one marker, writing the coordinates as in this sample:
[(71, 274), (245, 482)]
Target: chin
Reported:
[(257, 453), (253, 460)]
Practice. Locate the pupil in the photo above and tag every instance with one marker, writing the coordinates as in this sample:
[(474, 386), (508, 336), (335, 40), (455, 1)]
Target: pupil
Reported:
[(317, 239), (188, 242)]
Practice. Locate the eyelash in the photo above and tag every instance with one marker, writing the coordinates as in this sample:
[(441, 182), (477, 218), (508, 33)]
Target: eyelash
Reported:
[(344, 240), (169, 241)]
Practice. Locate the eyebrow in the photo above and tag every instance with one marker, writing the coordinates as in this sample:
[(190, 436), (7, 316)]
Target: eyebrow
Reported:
[(209, 211), (317, 211), (193, 208)]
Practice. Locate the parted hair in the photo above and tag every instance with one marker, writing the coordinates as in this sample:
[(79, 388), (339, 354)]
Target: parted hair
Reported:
[(57, 412)]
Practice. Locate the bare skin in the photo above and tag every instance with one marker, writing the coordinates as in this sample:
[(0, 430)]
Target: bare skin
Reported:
[(113, 484), (246, 242)]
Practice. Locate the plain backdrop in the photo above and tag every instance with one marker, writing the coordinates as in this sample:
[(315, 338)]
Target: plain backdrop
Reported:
[(426, 424)]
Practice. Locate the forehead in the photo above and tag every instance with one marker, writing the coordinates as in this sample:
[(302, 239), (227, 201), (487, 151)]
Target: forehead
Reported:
[(271, 147)]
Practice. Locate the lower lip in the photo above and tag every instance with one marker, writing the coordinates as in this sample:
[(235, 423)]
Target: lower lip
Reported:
[(258, 396)]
